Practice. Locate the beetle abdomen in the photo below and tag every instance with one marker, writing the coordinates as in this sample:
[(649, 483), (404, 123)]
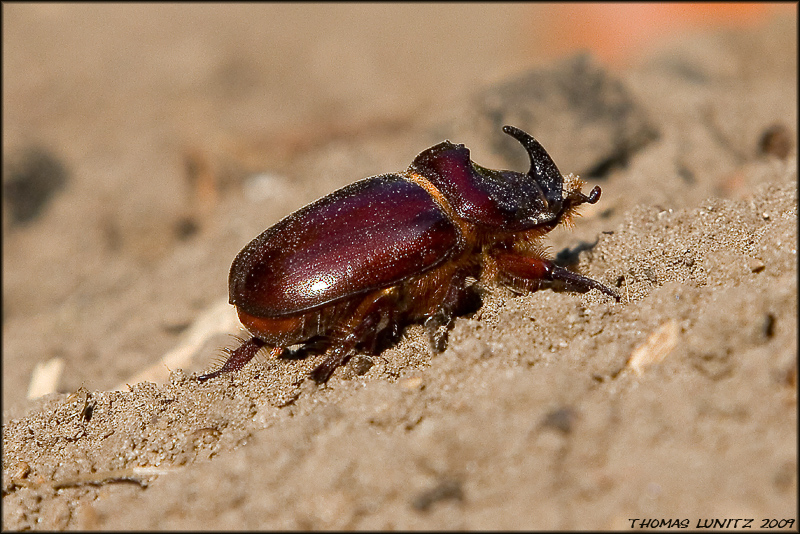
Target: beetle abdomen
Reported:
[(365, 236), (300, 327)]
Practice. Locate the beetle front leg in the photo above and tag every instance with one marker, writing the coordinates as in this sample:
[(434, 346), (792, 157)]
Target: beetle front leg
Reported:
[(532, 269)]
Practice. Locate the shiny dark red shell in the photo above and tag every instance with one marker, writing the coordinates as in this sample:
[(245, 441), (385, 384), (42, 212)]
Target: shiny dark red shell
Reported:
[(368, 235), (490, 199)]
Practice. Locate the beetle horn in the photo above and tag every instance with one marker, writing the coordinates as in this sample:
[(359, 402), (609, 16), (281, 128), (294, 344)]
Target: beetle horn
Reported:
[(543, 168)]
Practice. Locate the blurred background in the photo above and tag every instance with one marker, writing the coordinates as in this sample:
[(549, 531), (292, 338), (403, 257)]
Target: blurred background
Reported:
[(271, 67)]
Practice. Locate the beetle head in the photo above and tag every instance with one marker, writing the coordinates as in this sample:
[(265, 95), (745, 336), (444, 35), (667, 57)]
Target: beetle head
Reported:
[(502, 200), (546, 183), (549, 200)]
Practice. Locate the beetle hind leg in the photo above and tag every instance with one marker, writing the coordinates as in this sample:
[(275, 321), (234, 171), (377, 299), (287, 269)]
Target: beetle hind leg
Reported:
[(239, 358)]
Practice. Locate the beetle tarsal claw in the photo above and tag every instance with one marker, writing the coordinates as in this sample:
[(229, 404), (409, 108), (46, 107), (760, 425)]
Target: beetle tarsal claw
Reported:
[(438, 328), (399, 247), (322, 373)]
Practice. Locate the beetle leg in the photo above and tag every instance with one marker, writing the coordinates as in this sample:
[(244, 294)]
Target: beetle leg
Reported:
[(387, 329), (239, 357), (364, 321), (439, 323), (437, 327), (531, 269)]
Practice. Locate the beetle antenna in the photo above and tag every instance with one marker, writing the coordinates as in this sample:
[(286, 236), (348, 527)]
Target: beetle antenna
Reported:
[(594, 196), (543, 168)]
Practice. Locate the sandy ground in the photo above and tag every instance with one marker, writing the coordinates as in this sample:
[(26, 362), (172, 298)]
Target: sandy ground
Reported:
[(549, 410)]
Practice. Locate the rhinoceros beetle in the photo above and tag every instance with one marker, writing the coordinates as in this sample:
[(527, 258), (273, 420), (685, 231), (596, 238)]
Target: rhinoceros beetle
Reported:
[(397, 248)]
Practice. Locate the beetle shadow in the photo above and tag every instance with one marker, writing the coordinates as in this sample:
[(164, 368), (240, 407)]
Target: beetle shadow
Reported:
[(569, 256), (301, 352)]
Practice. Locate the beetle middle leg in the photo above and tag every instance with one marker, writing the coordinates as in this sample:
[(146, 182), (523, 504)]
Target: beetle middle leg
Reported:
[(528, 270), (363, 323), (440, 320)]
